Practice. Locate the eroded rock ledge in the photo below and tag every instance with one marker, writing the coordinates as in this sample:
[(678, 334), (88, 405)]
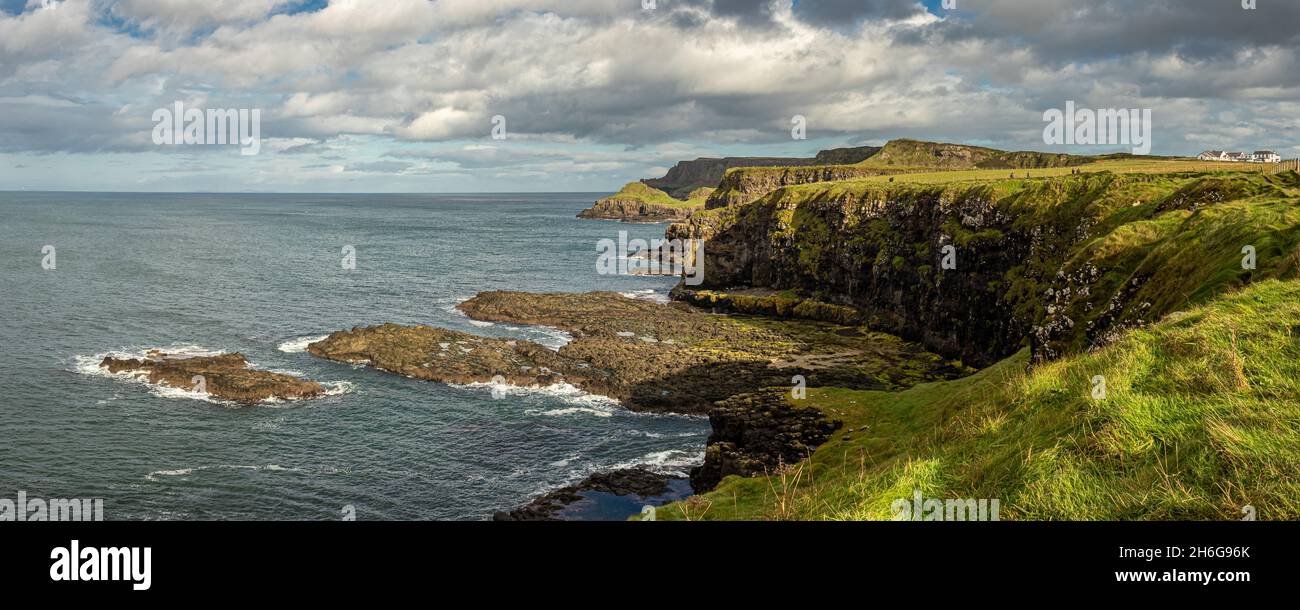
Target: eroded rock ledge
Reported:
[(224, 376), (650, 356)]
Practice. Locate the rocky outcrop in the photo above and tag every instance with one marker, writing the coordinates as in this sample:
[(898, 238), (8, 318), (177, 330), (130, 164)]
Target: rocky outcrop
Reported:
[(637, 202), (640, 486), (650, 356), (758, 434), (629, 210), (224, 376), (686, 176), (448, 356)]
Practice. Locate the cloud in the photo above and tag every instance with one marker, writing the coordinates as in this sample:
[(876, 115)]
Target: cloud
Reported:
[(579, 80)]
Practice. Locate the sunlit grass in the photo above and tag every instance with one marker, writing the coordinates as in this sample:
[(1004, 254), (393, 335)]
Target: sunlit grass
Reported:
[(1200, 417)]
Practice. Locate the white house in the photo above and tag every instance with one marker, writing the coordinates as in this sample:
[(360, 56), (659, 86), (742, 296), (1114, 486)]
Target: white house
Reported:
[(1259, 156)]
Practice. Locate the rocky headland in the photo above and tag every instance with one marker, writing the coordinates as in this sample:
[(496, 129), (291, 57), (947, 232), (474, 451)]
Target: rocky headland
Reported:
[(223, 376), (637, 202)]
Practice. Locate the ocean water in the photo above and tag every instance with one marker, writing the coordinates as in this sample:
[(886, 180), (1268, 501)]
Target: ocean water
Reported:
[(262, 275)]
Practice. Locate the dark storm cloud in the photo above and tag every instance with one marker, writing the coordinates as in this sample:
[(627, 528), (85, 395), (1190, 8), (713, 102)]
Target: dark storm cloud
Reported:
[(1073, 31), (846, 12)]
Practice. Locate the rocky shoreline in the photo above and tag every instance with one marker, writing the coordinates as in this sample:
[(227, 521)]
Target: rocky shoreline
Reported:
[(223, 376), (737, 369)]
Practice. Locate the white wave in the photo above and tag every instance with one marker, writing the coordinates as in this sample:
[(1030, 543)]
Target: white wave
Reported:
[(550, 336), (338, 388), (579, 400), (670, 461), (181, 472), (571, 411), (299, 345), (649, 294), (89, 365), (481, 323)]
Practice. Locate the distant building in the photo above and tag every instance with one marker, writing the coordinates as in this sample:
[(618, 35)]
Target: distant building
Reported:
[(1259, 156), (1267, 156)]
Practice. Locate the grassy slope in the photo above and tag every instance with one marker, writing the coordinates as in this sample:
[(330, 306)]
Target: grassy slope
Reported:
[(1201, 417), (637, 191), (1203, 410)]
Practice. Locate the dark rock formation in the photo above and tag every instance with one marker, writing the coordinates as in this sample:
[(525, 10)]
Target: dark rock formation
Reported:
[(640, 484), (225, 376), (756, 434)]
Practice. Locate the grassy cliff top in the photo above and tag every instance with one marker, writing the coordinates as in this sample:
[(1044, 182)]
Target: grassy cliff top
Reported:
[(638, 191), (1198, 419), (915, 153)]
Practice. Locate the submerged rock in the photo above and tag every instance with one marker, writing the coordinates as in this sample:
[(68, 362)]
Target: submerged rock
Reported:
[(224, 376)]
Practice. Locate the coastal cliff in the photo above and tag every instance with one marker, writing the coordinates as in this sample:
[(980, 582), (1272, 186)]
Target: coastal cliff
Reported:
[(637, 202), (1057, 264)]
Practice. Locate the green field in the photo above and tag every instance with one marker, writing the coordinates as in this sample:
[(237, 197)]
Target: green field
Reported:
[(1119, 166)]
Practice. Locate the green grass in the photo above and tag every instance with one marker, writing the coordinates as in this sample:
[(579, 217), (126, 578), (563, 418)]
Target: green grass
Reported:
[(637, 191), (1201, 417), (1118, 166)]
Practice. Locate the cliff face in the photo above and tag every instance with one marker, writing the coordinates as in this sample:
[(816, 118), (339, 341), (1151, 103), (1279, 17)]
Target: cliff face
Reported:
[(707, 172), (1062, 264)]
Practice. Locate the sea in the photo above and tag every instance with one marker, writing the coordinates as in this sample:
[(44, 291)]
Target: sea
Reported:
[(86, 275)]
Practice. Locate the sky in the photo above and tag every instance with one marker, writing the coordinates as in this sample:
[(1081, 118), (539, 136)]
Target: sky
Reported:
[(401, 95)]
